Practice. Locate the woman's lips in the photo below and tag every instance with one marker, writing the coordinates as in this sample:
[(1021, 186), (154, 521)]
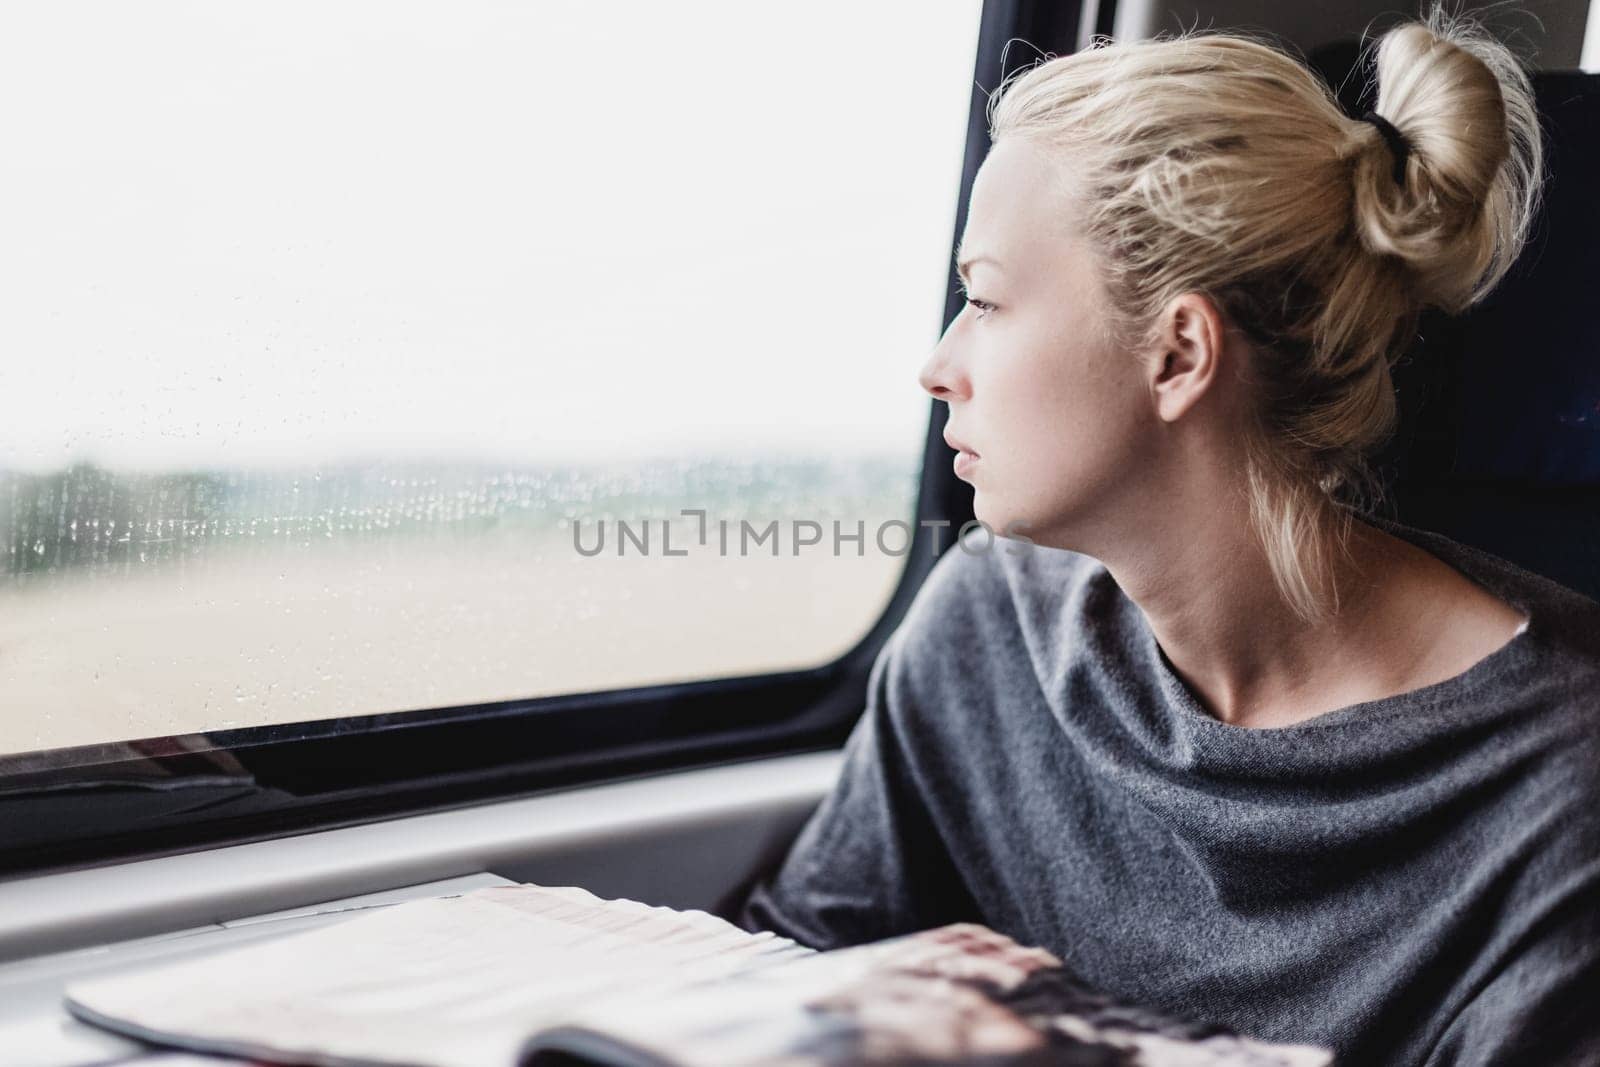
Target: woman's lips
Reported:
[(965, 457)]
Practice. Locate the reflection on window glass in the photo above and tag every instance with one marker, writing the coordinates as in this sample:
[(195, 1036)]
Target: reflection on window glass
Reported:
[(379, 357)]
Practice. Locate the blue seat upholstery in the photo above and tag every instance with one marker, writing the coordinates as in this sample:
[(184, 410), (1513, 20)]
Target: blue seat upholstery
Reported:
[(1499, 442), (1499, 437)]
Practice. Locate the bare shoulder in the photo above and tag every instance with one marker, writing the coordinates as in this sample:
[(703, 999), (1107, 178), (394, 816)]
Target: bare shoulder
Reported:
[(1465, 621)]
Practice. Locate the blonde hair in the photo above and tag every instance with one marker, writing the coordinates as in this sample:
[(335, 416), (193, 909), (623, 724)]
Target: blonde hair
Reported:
[(1218, 164)]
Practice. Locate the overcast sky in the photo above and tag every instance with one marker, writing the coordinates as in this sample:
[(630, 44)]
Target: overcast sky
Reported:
[(302, 232)]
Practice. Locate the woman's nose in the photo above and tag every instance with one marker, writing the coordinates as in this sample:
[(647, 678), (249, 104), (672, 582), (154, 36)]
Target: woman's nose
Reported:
[(940, 377)]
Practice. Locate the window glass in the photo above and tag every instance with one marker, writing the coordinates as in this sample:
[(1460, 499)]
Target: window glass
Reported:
[(339, 336)]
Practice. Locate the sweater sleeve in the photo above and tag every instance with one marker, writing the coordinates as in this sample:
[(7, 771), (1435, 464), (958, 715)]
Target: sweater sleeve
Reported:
[(869, 863), (1543, 1006)]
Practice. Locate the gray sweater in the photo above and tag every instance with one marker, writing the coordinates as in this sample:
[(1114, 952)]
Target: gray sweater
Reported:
[(1412, 880)]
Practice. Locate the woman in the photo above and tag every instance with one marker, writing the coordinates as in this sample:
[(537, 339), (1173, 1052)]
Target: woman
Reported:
[(1225, 744)]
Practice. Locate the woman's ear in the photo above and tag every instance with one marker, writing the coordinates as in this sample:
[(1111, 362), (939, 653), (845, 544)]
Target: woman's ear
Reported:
[(1187, 356)]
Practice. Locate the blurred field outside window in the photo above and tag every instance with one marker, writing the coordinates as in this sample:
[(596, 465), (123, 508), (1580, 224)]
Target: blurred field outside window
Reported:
[(328, 323)]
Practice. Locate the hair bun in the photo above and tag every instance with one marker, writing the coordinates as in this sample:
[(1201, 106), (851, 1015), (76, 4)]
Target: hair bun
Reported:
[(1462, 107)]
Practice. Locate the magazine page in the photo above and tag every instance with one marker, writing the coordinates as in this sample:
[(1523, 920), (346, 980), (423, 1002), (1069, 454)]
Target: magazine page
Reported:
[(956, 994), (447, 982)]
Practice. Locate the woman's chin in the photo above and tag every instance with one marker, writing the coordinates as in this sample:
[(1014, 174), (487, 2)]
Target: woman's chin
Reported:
[(991, 512), (1008, 520)]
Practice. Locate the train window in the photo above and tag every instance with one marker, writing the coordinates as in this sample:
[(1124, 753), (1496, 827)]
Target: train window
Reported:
[(371, 358)]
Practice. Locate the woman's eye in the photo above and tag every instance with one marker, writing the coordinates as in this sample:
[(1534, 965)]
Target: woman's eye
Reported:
[(983, 307)]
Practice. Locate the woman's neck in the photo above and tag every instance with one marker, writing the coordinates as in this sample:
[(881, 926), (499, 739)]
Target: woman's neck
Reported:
[(1208, 594)]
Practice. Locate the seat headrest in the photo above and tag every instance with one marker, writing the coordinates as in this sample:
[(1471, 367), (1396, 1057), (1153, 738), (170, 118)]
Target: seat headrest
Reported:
[(1512, 387), (1499, 437)]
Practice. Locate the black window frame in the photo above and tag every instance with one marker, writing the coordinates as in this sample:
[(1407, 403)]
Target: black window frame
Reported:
[(96, 804)]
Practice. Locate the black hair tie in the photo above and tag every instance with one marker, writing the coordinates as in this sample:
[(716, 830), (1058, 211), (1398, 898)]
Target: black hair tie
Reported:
[(1399, 147)]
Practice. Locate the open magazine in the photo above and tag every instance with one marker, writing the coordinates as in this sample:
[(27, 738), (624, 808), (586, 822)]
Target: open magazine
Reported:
[(529, 975)]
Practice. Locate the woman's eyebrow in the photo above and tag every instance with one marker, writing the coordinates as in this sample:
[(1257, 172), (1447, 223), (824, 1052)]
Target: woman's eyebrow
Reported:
[(964, 265)]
